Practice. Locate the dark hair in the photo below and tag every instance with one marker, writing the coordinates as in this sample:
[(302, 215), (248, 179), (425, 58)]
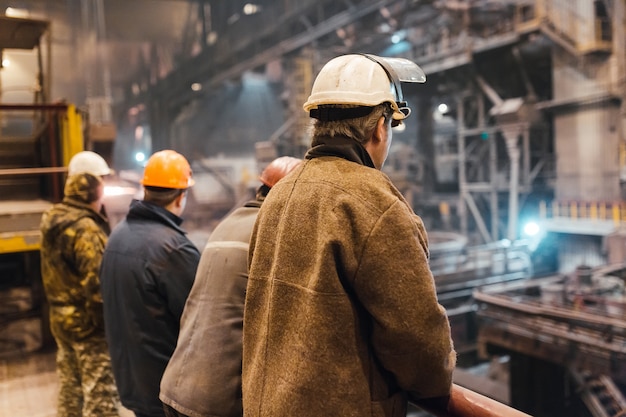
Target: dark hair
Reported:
[(262, 191), (161, 196)]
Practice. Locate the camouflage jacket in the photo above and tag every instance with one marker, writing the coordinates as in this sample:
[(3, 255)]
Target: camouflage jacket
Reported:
[(73, 240)]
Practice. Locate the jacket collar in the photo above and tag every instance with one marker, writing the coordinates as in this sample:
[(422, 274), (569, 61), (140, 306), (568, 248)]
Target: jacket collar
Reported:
[(341, 147), (255, 203), (140, 209)]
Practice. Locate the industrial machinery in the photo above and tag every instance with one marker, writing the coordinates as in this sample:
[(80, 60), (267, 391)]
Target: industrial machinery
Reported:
[(567, 332), (37, 140), (459, 269)]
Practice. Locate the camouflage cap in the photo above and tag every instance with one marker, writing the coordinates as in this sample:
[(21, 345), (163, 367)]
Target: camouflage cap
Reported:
[(82, 187)]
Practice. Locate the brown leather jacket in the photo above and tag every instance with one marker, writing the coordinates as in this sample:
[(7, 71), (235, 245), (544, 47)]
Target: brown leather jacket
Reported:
[(341, 314)]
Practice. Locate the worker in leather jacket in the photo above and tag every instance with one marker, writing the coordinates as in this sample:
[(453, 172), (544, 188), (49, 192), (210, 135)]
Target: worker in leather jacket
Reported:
[(341, 315)]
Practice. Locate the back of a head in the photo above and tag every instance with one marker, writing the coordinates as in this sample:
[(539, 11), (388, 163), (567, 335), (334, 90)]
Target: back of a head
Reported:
[(277, 169), (87, 162), (167, 169), (84, 177)]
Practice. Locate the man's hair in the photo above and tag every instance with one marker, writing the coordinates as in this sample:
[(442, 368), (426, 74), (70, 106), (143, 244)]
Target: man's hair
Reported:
[(262, 191), (161, 196), (358, 129)]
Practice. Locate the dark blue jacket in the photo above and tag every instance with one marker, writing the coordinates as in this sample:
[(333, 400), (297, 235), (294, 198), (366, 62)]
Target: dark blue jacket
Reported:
[(148, 268)]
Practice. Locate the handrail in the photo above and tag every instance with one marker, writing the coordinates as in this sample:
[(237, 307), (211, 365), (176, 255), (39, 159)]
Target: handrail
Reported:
[(467, 403), (30, 171), (579, 209)]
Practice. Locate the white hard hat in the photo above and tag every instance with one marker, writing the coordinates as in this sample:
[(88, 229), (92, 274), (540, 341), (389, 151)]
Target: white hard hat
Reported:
[(362, 80), (87, 162)]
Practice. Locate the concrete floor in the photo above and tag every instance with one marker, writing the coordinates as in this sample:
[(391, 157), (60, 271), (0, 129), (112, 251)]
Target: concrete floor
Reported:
[(28, 385)]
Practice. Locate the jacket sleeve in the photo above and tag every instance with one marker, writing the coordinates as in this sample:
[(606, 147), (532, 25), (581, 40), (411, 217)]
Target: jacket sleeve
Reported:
[(89, 243), (410, 330), (177, 277)]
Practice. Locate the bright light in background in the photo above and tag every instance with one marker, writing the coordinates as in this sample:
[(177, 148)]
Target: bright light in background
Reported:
[(18, 76), (442, 108), (140, 157), (384, 27), (139, 133), (196, 86), (251, 8), (115, 190), (531, 229), (398, 37), (15, 12)]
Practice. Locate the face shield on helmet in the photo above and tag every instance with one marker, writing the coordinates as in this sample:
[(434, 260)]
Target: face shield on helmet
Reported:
[(364, 81)]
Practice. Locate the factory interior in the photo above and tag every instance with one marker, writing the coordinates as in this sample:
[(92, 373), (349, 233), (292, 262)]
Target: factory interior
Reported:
[(514, 156)]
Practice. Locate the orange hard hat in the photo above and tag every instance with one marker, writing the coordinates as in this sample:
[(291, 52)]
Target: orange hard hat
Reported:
[(167, 169), (278, 168)]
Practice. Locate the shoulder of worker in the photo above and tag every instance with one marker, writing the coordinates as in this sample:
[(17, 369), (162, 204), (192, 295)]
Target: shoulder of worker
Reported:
[(63, 216), (345, 179), (236, 227)]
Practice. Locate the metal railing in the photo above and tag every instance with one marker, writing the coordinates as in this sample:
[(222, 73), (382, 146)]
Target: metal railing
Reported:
[(467, 403), (592, 210)]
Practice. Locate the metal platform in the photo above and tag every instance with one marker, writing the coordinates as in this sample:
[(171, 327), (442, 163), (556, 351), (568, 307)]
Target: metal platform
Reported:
[(576, 322), (19, 225)]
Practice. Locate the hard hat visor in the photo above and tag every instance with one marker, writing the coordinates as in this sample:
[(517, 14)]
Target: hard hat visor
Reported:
[(399, 70), (406, 71)]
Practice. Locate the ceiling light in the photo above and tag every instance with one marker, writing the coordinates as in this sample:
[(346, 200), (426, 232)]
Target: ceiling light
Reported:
[(251, 8), (15, 12), (398, 37), (140, 157)]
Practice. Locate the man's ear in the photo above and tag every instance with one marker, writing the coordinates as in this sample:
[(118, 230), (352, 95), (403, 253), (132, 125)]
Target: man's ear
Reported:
[(180, 199), (380, 130)]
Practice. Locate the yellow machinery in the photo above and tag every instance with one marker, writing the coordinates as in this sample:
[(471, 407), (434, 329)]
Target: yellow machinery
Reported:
[(37, 140), (32, 168)]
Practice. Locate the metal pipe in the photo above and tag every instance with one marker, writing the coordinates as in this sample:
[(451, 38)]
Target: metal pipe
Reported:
[(56, 106), (28, 171)]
